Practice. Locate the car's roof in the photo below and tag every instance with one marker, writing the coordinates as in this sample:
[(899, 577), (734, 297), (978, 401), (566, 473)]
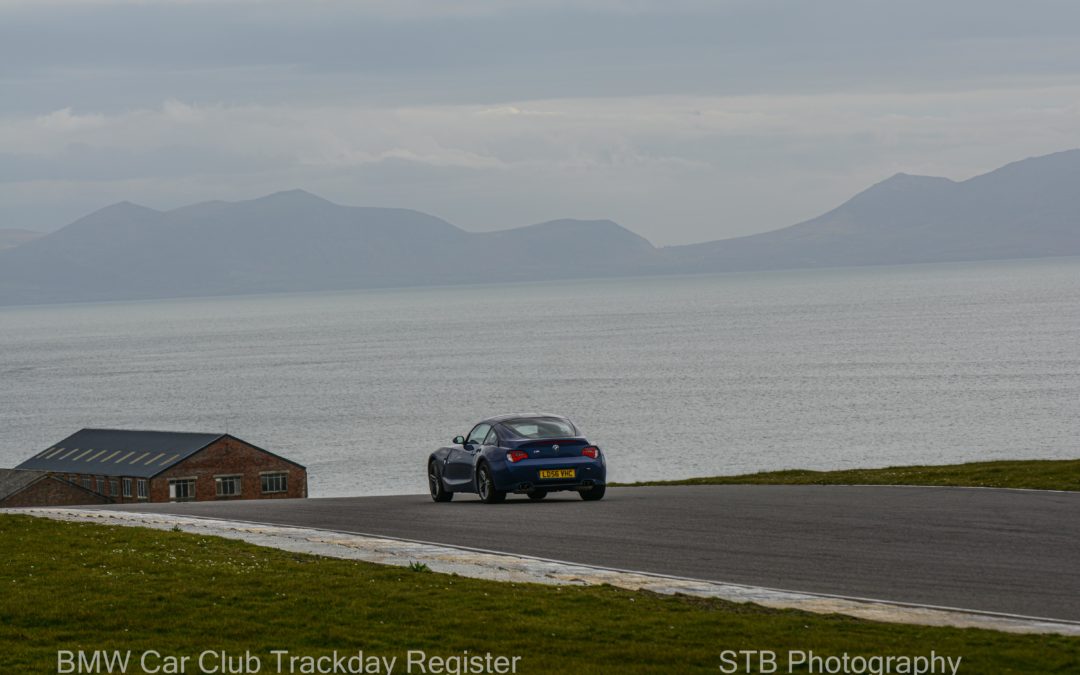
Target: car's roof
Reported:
[(520, 416)]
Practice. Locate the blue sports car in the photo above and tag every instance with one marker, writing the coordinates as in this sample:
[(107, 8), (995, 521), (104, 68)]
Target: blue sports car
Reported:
[(525, 454)]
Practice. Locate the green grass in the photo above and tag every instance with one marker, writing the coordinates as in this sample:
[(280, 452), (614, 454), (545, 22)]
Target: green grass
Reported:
[(1030, 474), (85, 586)]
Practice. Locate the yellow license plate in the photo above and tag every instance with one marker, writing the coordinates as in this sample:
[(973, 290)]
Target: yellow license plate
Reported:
[(558, 473)]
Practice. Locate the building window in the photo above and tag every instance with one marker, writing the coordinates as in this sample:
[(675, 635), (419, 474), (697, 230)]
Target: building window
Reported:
[(127, 487), (274, 482), (182, 489), (74, 478), (114, 488), (86, 482), (101, 486), (227, 486), (142, 488)]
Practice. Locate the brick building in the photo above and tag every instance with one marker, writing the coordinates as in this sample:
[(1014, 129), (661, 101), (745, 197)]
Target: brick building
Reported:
[(161, 466), (41, 488)]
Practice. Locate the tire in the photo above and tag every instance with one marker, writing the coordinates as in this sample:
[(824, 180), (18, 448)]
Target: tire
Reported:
[(537, 495), (485, 486), (439, 493), (594, 494)]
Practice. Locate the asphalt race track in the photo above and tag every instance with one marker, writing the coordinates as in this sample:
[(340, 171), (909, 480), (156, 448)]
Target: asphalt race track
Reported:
[(1009, 551)]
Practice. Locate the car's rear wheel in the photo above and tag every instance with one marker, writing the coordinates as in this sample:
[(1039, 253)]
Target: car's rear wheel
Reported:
[(537, 495), (439, 493), (485, 486), (595, 493)]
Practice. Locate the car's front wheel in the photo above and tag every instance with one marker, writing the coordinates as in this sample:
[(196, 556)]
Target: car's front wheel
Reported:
[(485, 486), (439, 493), (594, 493)]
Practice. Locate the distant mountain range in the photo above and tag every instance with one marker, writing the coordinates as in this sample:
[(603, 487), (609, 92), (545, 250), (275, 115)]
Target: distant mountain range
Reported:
[(1027, 209), (296, 241)]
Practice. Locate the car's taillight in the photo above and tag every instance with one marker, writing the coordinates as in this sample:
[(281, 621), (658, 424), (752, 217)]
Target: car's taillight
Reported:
[(591, 451), (515, 456)]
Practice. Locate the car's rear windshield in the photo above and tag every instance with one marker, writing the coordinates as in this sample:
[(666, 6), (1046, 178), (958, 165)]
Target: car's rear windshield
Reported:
[(541, 427)]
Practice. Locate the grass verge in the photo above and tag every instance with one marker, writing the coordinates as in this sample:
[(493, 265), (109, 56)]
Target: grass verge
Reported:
[(83, 586), (1029, 474)]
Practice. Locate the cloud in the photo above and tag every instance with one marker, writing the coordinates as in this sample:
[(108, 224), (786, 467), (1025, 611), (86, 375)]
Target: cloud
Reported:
[(719, 163), (63, 121), (415, 8), (499, 51)]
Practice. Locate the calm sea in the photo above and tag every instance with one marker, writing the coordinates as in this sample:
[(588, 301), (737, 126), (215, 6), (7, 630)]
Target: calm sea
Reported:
[(674, 377)]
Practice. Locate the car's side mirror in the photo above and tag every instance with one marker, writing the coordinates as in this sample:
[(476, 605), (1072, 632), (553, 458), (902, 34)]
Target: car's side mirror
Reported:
[(459, 440)]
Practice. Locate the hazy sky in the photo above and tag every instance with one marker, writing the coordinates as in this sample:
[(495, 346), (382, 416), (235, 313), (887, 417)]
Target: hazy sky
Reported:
[(684, 121)]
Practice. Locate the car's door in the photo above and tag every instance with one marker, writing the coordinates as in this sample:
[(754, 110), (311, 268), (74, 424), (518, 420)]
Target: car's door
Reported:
[(460, 462)]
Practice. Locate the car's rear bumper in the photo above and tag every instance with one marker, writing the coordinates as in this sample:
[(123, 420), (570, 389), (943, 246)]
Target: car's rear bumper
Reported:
[(524, 476)]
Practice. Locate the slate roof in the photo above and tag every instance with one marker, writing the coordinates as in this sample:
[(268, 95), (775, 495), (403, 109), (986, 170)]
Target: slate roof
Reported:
[(13, 480), (119, 452)]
